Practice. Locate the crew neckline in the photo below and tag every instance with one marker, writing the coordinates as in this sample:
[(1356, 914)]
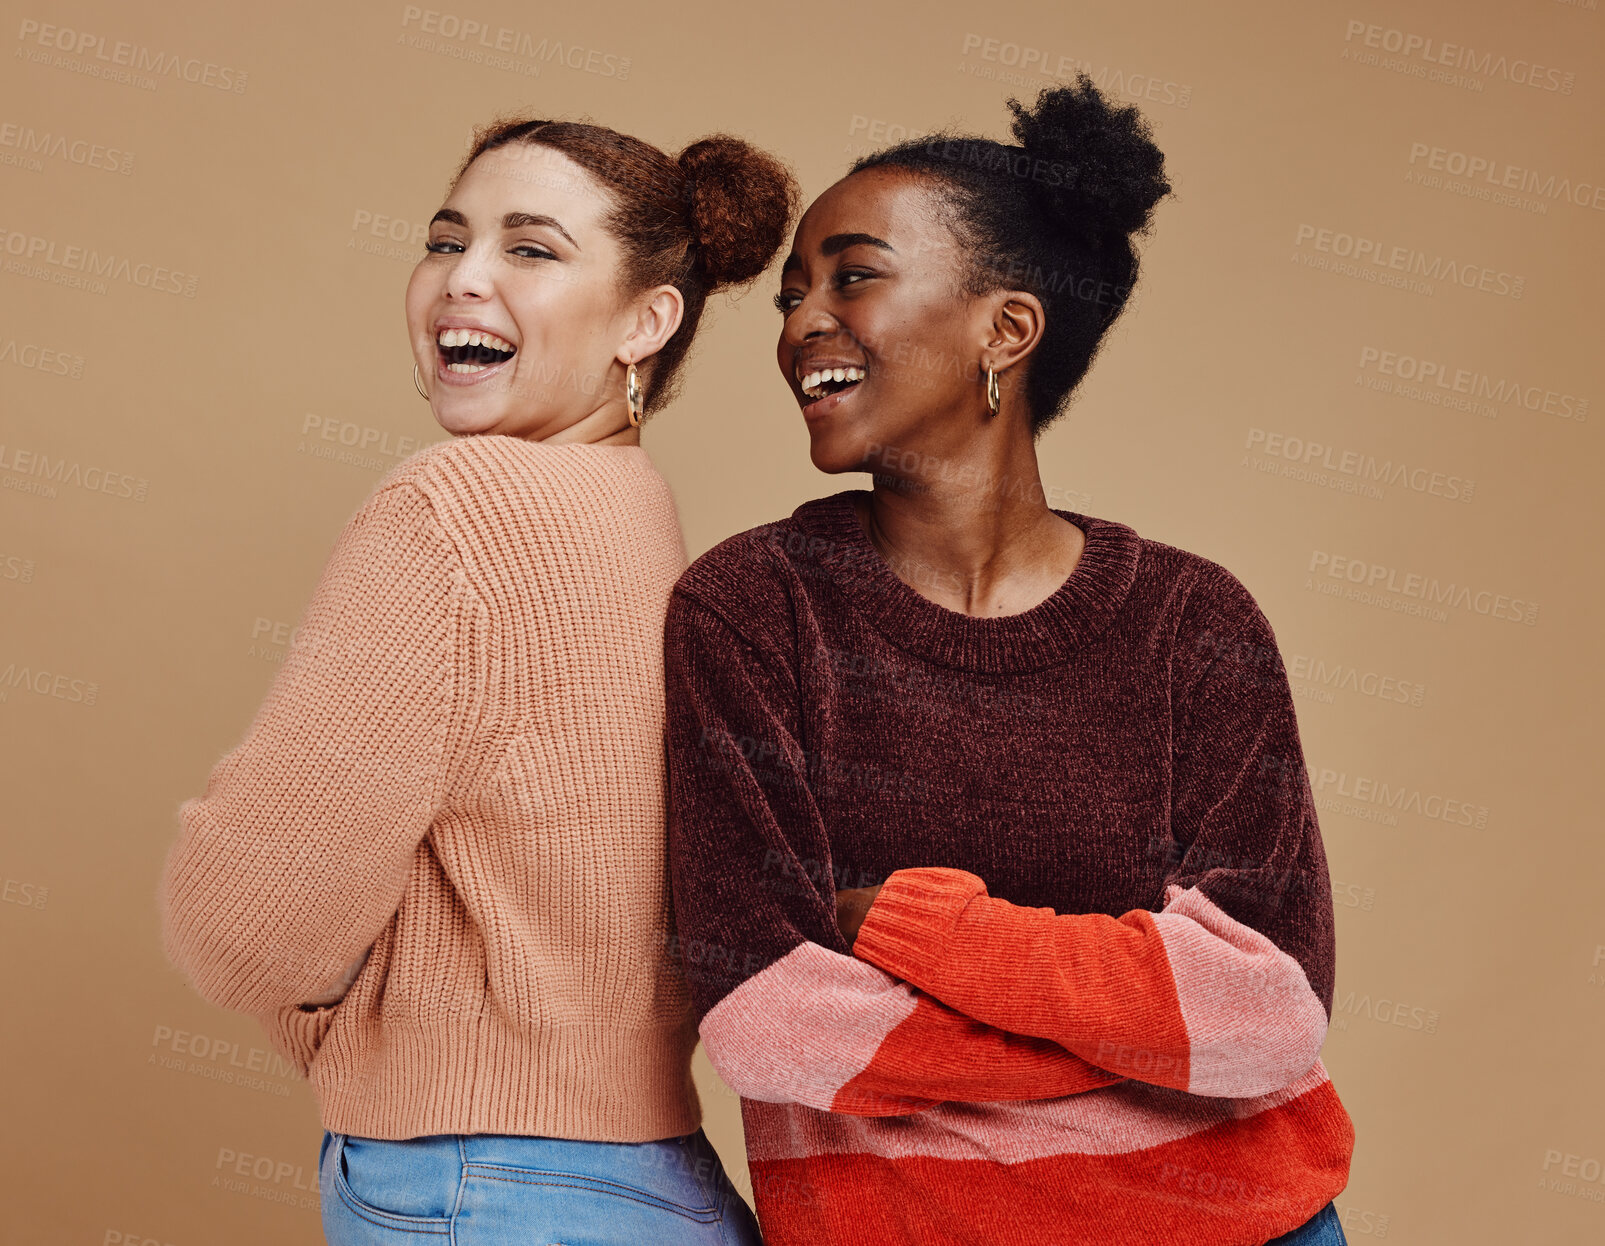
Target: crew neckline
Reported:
[(1047, 634)]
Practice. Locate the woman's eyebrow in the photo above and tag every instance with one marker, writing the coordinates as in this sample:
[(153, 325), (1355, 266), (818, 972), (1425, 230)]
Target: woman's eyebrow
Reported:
[(513, 220), (517, 220), (837, 243)]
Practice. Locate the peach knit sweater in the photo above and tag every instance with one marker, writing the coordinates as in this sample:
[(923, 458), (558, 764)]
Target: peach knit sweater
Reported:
[(460, 763)]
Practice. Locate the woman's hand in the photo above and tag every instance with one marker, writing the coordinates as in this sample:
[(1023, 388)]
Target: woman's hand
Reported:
[(337, 990), (852, 905)]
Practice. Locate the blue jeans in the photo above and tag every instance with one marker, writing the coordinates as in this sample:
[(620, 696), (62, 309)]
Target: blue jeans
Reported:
[(1321, 1229), (501, 1189)]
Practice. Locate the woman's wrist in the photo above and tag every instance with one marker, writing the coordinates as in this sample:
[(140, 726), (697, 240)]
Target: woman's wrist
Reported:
[(852, 906), (337, 991)]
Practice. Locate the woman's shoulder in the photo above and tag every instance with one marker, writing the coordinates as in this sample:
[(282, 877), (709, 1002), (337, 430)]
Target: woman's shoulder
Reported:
[(399, 508), (422, 461), (1209, 597), (739, 573), (762, 558), (498, 459), (753, 578), (480, 483)]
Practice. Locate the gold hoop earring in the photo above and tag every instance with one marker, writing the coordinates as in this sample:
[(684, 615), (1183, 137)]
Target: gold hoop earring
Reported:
[(633, 396), (994, 400), (418, 384)]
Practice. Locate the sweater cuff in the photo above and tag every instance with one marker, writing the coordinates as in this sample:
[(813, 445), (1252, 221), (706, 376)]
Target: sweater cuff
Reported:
[(297, 1035), (908, 927)]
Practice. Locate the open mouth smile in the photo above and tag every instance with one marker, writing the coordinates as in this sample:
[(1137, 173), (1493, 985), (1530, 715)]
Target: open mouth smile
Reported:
[(472, 352), (823, 382)]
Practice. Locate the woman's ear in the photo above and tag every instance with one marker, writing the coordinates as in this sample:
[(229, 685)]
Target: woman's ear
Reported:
[(1017, 324), (657, 315)]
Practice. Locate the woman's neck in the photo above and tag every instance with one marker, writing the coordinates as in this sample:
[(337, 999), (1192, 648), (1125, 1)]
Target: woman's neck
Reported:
[(990, 548)]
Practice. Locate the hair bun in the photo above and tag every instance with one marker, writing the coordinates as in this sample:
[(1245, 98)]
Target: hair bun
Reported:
[(741, 203), (1102, 172)]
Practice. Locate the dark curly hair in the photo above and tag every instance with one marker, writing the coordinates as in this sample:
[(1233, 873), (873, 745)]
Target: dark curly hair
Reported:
[(711, 217), (1052, 214)]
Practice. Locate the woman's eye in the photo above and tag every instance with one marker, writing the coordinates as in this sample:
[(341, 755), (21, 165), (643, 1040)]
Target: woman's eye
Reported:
[(526, 250), (786, 299)]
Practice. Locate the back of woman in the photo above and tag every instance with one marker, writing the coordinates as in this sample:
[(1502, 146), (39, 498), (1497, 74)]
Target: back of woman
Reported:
[(434, 867), (513, 660)]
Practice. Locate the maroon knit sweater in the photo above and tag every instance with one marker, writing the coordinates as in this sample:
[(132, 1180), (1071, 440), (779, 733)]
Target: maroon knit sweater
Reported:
[(1088, 1003)]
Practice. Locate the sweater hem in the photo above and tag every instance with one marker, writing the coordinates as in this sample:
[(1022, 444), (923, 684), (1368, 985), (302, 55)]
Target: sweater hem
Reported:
[(484, 1075)]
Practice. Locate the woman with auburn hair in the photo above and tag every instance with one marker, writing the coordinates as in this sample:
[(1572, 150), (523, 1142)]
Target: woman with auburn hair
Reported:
[(994, 855), (435, 866)]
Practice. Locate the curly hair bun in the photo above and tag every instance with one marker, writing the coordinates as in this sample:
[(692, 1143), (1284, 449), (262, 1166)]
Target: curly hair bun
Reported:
[(741, 201), (1100, 172)]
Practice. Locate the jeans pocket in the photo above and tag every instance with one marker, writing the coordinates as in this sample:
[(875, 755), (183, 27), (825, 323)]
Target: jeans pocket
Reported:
[(407, 1184), (596, 1191)]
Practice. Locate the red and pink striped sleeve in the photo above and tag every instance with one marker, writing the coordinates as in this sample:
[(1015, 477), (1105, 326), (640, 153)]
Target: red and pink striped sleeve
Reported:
[(822, 1029), (1187, 997)]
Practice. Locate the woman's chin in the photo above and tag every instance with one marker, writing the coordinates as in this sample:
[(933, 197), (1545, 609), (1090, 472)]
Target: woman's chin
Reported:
[(833, 453), (459, 414), (835, 465)]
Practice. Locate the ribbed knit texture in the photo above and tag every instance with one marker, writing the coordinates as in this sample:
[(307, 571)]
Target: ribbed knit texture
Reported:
[(1087, 1005), (460, 763)]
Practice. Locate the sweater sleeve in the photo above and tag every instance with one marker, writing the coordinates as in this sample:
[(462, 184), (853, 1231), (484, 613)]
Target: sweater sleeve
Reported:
[(786, 1014), (1226, 990), (296, 857)]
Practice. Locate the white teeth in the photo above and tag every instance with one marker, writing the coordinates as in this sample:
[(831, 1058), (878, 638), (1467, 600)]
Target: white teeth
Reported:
[(472, 337), (811, 383)]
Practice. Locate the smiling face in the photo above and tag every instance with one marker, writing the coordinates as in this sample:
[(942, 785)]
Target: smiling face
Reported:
[(514, 312), (873, 290)]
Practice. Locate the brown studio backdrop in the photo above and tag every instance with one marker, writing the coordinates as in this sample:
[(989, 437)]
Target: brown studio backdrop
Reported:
[(185, 433)]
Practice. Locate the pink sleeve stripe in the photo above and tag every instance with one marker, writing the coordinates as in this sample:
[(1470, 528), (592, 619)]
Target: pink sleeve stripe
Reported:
[(1253, 1022), (804, 1027), (1122, 1119)]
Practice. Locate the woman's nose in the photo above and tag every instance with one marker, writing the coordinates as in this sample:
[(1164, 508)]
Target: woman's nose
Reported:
[(808, 322), (469, 277)]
